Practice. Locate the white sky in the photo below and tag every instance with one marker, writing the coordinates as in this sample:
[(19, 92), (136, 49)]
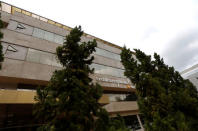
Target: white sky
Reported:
[(168, 27)]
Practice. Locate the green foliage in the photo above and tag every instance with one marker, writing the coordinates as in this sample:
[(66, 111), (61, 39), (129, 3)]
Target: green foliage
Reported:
[(104, 123), (132, 122), (1, 36), (117, 124), (166, 101), (131, 97), (70, 101)]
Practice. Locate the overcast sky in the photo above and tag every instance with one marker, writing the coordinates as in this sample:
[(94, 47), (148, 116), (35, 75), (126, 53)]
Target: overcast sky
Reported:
[(168, 27)]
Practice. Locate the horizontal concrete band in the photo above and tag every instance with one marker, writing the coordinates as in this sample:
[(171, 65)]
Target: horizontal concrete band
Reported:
[(49, 27), (124, 108), (27, 97), (34, 73)]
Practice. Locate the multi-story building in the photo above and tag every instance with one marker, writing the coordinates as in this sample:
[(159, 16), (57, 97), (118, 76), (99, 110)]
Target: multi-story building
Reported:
[(191, 74), (29, 47)]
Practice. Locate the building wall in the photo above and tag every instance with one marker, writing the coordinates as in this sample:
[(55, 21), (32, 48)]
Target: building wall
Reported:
[(29, 47), (27, 56), (191, 74)]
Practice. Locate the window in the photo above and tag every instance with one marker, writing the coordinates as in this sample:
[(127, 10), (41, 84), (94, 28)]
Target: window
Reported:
[(49, 36), (33, 55), (107, 54), (42, 57), (58, 39), (101, 69), (117, 97), (38, 33), (45, 58)]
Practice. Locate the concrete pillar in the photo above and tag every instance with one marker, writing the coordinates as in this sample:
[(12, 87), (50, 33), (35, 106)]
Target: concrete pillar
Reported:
[(138, 117)]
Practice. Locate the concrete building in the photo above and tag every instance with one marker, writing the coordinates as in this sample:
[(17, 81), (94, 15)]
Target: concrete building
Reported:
[(191, 74), (29, 46)]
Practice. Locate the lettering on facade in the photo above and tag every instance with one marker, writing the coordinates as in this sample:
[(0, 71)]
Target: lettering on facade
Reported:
[(114, 81)]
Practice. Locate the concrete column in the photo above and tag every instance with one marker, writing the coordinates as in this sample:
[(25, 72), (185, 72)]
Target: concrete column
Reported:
[(138, 117)]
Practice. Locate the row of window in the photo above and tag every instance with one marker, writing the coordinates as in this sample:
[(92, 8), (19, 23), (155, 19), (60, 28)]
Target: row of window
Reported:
[(107, 54), (117, 97), (42, 34), (32, 55), (106, 70), (50, 59), (39, 33), (42, 57), (122, 97), (36, 32)]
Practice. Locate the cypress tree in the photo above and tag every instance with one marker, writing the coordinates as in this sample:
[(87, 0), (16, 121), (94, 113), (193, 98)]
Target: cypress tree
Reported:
[(166, 100), (70, 101)]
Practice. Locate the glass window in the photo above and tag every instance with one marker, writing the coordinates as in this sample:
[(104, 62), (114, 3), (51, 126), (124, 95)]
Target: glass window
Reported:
[(33, 55), (38, 33), (58, 39), (107, 54), (49, 36), (117, 97), (42, 57), (101, 69), (45, 58)]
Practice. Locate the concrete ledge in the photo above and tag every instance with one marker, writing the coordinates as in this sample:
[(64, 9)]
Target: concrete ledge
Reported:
[(16, 97), (122, 108), (27, 97)]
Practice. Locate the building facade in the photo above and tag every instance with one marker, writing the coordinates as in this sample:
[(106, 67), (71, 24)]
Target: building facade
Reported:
[(29, 47), (191, 74)]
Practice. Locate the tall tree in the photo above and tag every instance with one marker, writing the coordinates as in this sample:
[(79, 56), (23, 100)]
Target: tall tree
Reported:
[(70, 101), (166, 100), (1, 36)]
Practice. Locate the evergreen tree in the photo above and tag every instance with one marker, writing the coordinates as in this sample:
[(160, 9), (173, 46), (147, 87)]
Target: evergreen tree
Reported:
[(166, 100), (104, 123), (117, 124), (131, 97), (1, 36), (70, 101)]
